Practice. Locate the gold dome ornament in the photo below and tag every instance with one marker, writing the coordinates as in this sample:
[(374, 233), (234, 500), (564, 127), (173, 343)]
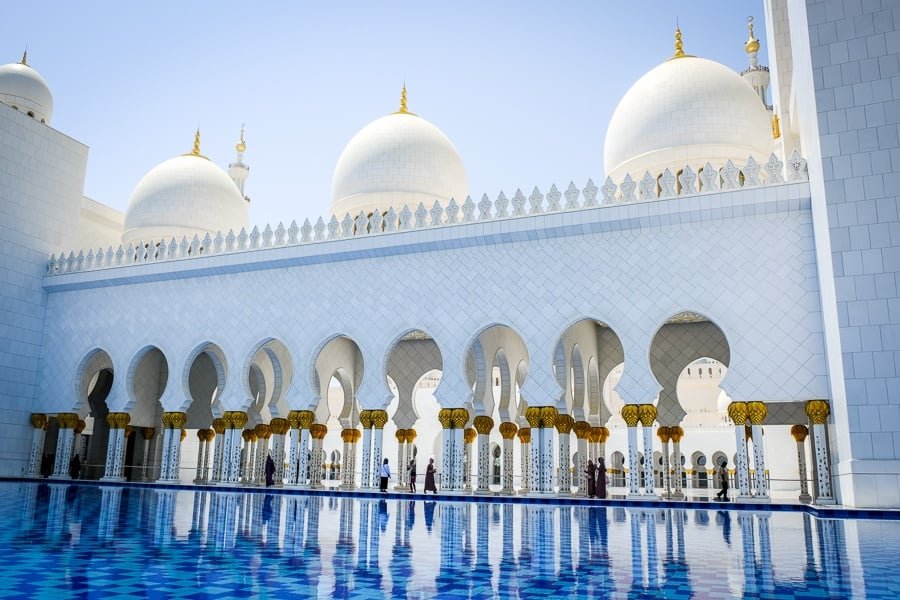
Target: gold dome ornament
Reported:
[(241, 146), (752, 44)]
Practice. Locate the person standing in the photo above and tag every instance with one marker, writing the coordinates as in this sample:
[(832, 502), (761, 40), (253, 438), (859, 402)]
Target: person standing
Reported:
[(429, 477), (270, 471), (591, 479), (723, 480), (385, 474), (412, 476), (601, 478)]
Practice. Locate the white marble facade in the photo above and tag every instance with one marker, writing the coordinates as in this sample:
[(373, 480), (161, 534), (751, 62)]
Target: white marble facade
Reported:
[(531, 300)]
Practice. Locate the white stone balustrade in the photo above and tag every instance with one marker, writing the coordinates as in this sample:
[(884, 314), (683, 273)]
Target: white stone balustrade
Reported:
[(648, 188)]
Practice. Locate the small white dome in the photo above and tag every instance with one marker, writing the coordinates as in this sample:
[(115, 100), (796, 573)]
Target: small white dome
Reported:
[(23, 88), (400, 159), (183, 196), (686, 111)]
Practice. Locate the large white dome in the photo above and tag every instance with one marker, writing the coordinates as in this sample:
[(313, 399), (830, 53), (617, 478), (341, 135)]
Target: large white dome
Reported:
[(24, 89), (183, 196), (397, 160), (687, 110)]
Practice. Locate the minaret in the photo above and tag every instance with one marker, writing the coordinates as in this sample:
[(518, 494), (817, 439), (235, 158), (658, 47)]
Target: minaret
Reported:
[(755, 75), (238, 171)]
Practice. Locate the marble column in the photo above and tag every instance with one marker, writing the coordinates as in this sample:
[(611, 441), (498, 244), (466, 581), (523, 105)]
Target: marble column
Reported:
[(38, 423), (533, 415), (365, 419), (410, 438), (304, 472), (348, 468), (201, 454), (279, 427), (249, 439), (231, 457), (594, 443), (631, 416), (484, 425), (737, 411), (564, 425), (508, 432), (525, 462), (676, 433), (210, 436), (582, 434), (460, 417), (78, 442), (647, 415), (402, 461), (818, 411), (757, 412), (799, 433), (664, 436), (470, 436), (218, 429), (65, 437), (317, 431), (445, 416), (263, 433), (114, 468), (379, 420), (549, 414)]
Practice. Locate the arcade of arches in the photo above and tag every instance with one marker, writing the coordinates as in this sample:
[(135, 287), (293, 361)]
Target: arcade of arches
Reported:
[(497, 442)]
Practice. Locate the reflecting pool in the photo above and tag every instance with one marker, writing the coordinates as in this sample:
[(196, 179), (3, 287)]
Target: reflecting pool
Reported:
[(64, 540)]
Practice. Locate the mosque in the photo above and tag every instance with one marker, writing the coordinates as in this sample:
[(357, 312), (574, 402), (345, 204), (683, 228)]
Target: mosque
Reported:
[(727, 292)]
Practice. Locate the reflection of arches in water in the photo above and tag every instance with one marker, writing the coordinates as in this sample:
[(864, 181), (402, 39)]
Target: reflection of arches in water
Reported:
[(496, 455)]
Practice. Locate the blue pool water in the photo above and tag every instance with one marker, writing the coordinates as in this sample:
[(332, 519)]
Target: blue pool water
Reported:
[(70, 541)]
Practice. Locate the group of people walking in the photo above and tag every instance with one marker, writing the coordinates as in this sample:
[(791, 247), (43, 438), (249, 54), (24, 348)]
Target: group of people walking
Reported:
[(596, 478), (384, 474)]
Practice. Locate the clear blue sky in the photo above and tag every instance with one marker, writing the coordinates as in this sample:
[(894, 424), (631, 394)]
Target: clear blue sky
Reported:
[(524, 89)]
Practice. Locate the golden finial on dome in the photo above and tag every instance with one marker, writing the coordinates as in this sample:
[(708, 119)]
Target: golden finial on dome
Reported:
[(403, 108), (752, 44), (776, 127), (241, 146), (196, 149), (25, 56), (679, 46)]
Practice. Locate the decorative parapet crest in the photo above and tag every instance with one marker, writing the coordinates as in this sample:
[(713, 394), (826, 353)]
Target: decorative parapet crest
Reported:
[(668, 185)]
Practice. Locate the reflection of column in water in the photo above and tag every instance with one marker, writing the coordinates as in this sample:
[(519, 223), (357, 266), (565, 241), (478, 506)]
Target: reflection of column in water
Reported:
[(507, 587), (343, 552), (401, 562), (483, 573), (675, 567), (831, 542), (293, 529), (273, 527), (362, 559), (808, 545), (197, 507), (312, 554), (451, 571), (228, 507), (164, 518), (566, 573), (652, 555), (525, 536), (29, 502), (543, 545), (745, 520), (637, 562), (56, 511), (767, 572), (110, 501)]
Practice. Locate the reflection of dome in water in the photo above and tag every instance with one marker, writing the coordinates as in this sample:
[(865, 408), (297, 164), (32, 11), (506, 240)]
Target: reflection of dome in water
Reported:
[(399, 159), (24, 89), (688, 110), (184, 196)]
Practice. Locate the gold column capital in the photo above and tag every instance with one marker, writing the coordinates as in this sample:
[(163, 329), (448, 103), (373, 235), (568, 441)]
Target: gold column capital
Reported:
[(262, 431), (183, 434), (818, 411), (548, 416), (582, 430), (483, 424), (676, 433), (564, 424), (460, 417), (663, 434), (149, 433), (38, 420), (525, 435), (365, 419), (603, 435), (445, 416), (348, 435), (630, 412), (737, 412), (799, 432), (470, 435), (533, 416), (118, 420), (757, 412), (279, 426), (508, 430), (318, 431), (647, 414), (379, 419)]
